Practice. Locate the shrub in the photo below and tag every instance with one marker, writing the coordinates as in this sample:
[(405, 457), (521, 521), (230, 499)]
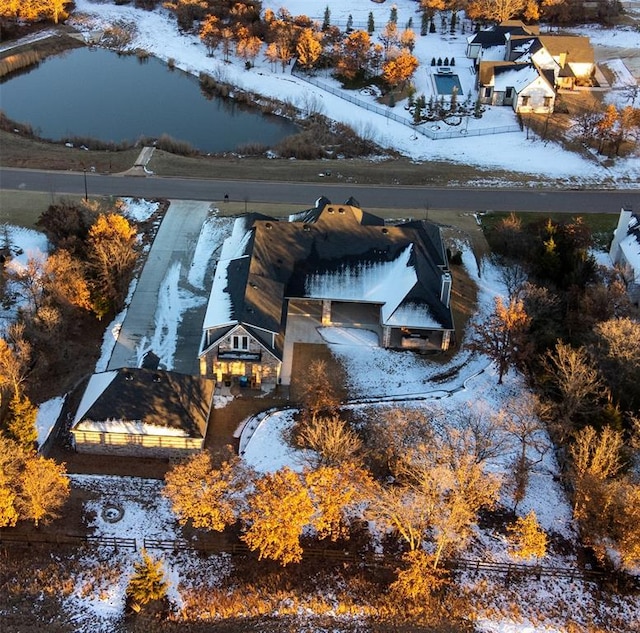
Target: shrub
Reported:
[(174, 146), (252, 149), (147, 584)]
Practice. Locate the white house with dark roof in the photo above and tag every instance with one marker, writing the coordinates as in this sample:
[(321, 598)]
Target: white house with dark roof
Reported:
[(332, 264), (625, 251), (521, 86), (521, 68)]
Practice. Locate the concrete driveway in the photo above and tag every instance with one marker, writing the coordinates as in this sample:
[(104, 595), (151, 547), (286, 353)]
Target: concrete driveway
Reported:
[(174, 245)]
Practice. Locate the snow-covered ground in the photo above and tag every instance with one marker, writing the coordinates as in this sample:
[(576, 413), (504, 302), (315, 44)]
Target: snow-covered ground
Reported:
[(156, 32), (527, 606)]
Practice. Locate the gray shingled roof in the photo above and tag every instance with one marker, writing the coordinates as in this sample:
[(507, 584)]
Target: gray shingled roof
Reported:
[(158, 398), (281, 255)]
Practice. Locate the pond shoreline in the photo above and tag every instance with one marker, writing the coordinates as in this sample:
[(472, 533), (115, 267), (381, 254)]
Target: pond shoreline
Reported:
[(25, 56)]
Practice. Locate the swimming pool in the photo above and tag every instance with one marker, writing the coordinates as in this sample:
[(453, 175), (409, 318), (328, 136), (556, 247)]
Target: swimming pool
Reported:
[(446, 82)]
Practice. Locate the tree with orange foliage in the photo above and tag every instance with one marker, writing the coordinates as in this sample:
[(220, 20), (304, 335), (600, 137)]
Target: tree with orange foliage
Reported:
[(528, 539), (271, 54), (277, 511), (204, 489), (210, 33), (44, 488), (390, 36), (309, 48), (606, 127), (431, 6), (334, 492), (408, 39), (226, 38), (499, 336), (33, 10), (248, 47), (353, 57), (65, 282), (496, 10), (398, 71), (111, 258)]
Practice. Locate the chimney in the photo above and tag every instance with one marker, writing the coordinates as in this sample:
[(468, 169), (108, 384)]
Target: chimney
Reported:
[(445, 291)]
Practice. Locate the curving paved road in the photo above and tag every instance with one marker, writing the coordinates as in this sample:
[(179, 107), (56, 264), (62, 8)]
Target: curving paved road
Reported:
[(303, 194)]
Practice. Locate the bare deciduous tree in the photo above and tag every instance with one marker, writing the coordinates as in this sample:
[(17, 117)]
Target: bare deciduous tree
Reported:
[(331, 439), (575, 378), (319, 397), (519, 420), (500, 335), (596, 458)]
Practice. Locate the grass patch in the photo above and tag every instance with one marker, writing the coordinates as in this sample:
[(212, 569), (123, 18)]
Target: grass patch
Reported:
[(601, 225), (23, 208), (18, 150)]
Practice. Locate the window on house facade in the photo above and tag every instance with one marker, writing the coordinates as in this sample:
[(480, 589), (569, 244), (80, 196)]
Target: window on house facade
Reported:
[(525, 101), (240, 342), (547, 102), (487, 92), (508, 93)]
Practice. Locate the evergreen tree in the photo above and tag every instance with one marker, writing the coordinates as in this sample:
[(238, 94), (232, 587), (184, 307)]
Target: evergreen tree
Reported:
[(454, 18), (349, 23), (371, 26), (477, 110), (424, 24), (432, 26), (326, 22), (147, 584), (527, 538), (21, 421), (417, 113), (409, 23), (393, 16), (453, 104)]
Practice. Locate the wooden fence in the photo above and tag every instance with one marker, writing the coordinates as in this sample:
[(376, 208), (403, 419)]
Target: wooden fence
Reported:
[(509, 571)]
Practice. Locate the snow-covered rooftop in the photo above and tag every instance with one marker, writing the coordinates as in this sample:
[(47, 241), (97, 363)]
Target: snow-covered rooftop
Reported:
[(518, 78), (386, 283)]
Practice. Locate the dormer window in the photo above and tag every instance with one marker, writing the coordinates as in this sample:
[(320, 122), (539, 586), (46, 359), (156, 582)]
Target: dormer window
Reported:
[(240, 342)]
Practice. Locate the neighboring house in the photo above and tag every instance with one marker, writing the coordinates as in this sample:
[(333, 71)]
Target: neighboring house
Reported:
[(569, 57), (517, 66), (333, 264), (521, 86), (143, 412), (490, 43), (625, 251)]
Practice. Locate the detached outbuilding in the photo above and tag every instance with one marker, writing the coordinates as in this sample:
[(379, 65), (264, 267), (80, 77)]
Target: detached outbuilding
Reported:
[(142, 412)]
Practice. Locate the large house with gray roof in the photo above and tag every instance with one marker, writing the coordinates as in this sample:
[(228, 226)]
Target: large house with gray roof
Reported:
[(519, 67), (281, 281)]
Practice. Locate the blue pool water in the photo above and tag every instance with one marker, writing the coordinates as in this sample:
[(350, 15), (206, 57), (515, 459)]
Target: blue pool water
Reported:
[(446, 83)]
